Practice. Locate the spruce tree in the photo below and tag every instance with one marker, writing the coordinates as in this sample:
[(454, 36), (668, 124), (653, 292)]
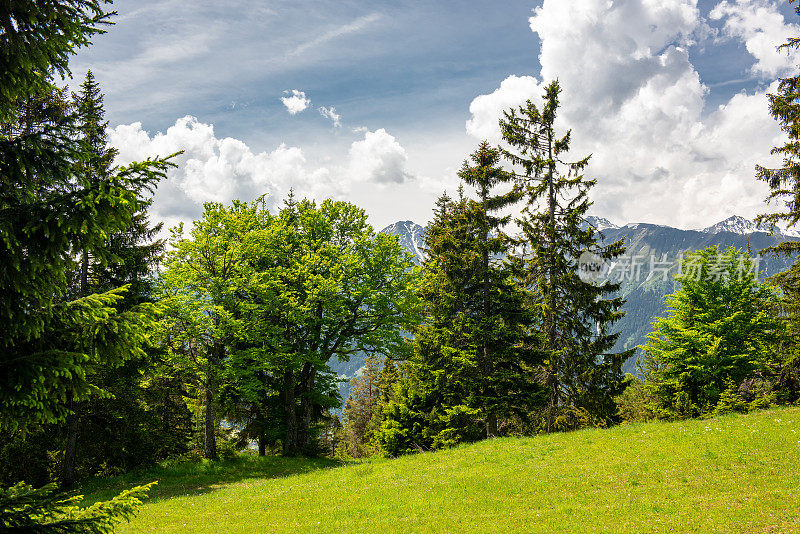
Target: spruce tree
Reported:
[(128, 258), (472, 368), (48, 344), (361, 408), (580, 371), (784, 181), (784, 184), (495, 299)]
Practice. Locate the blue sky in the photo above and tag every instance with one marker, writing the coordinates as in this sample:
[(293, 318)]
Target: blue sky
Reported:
[(416, 85)]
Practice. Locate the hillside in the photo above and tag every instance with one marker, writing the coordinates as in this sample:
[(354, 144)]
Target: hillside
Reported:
[(731, 474)]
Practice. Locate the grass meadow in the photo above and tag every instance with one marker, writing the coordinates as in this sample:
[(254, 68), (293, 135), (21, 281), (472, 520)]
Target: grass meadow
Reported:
[(737, 473)]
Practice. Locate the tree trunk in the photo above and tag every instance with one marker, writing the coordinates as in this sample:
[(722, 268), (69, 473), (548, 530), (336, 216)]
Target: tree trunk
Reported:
[(290, 442), (552, 376), (71, 446), (68, 463), (210, 435), (262, 444), (306, 408), (491, 425), (210, 430)]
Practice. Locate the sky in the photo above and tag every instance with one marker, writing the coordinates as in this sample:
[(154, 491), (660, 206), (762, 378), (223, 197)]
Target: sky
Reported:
[(379, 103)]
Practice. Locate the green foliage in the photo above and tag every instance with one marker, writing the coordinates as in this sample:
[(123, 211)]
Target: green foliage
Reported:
[(44, 510), (37, 40), (784, 181), (46, 218), (730, 400), (50, 214), (361, 409), (720, 331), (574, 317), (259, 303), (633, 404), (471, 368)]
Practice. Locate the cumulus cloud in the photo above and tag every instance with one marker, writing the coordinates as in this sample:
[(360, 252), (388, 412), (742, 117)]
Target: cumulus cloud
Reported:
[(761, 26), (330, 113), (637, 104), (218, 169), (378, 157), (486, 110), (295, 103)]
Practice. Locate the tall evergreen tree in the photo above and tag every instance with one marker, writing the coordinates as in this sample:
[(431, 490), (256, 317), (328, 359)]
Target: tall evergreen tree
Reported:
[(129, 258), (580, 371), (47, 343), (784, 184), (495, 297), (784, 181), (93, 167), (472, 364)]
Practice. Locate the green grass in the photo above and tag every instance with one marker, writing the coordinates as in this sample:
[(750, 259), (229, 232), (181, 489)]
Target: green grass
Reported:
[(730, 474)]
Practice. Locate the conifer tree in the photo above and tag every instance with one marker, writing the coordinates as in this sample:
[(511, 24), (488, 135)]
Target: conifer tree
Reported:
[(495, 297), (784, 184), (361, 408), (128, 258), (580, 371), (784, 181), (49, 343), (472, 364)]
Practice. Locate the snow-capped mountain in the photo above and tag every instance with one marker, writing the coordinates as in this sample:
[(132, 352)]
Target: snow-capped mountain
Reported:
[(645, 299), (600, 223), (412, 238), (741, 226), (735, 225)]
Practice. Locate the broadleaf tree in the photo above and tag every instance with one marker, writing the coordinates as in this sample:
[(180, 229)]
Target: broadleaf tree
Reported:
[(720, 331)]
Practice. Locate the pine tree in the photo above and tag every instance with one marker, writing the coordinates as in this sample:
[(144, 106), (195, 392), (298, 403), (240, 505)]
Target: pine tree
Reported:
[(495, 297), (784, 181), (361, 408), (128, 258), (472, 364), (48, 343), (580, 372)]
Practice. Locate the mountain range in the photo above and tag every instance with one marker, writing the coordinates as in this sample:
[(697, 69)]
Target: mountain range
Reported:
[(645, 272)]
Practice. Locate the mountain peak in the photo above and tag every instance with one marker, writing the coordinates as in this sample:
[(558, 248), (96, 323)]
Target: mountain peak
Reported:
[(600, 223), (412, 237), (734, 224)]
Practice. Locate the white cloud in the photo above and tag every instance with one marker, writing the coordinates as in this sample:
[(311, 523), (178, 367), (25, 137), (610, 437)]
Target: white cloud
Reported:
[(330, 113), (295, 103), (487, 110), (378, 157), (761, 26), (218, 169), (637, 104)]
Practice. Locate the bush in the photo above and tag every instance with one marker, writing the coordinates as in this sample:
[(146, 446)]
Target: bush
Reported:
[(634, 404)]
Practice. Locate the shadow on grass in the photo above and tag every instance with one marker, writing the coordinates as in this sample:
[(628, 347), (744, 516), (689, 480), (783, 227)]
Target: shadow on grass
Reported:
[(190, 478)]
